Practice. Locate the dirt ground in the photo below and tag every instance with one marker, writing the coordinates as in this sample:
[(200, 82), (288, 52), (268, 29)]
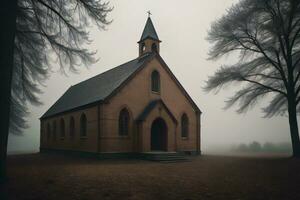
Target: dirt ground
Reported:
[(42, 176)]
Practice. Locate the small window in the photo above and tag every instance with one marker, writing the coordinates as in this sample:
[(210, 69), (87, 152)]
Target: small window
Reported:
[(154, 47), (72, 127), (62, 128), (54, 130), (48, 131), (142, 48), (184, 126), (83, 125), (124, 122), (155, 81)]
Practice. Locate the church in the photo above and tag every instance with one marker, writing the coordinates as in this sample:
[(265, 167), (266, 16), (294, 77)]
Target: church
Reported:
[(137, 107)]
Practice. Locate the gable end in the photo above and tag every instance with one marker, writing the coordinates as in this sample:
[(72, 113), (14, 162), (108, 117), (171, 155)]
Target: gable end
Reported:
[(185, 93)]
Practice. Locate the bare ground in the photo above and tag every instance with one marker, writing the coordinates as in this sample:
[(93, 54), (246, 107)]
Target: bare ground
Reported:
[(42, 176)]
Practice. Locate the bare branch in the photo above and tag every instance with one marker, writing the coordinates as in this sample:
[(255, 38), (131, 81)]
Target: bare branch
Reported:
[(47, 30), (266, 35), (265, 86)]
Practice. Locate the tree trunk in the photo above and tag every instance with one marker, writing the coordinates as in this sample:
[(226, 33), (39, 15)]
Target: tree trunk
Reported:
[(8, 28), (294, 127)]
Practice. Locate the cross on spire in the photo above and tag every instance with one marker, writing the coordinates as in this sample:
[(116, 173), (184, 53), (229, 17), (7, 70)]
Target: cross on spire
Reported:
[(149, 13)]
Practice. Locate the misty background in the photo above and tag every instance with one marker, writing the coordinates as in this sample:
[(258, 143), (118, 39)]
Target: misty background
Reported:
[(182, 26)]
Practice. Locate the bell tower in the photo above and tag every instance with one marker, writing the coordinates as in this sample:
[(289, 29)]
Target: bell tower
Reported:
[(149, 41)]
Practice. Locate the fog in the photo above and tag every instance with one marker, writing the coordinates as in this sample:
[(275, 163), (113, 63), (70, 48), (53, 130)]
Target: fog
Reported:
[(182, 26)]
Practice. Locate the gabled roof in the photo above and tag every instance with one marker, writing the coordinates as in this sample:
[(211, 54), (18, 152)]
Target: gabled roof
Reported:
[(97, 88), (151, 106), (149, 31), (166, 67), (103, 86)]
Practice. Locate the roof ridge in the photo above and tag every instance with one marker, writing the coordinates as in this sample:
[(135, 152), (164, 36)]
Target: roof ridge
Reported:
[(112, 80), (110, 69), (160, 59)]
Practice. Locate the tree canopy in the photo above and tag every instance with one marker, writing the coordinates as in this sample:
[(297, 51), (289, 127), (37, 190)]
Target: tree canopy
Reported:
[(265, 33), (48, 31), (266, 36)]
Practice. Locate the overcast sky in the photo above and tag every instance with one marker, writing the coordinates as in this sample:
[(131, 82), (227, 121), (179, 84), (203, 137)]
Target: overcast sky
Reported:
[(182, 26)]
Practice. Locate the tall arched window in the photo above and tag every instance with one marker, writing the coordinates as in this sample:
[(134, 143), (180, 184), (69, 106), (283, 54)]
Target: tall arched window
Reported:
[(184, 126), (124, 122), (72, 127), (155, 81), (62, 128), (54, 130), (83, 125), (48, 131)]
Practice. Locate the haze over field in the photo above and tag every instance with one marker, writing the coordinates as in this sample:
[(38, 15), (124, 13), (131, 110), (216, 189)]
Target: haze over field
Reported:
[(182, 29)]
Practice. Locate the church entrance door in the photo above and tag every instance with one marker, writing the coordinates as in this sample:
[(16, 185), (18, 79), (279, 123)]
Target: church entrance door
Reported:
[(159, 135)]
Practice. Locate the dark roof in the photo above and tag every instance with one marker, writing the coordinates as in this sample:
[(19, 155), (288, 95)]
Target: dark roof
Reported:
[(150, 107), (96, 88), (149, 31)]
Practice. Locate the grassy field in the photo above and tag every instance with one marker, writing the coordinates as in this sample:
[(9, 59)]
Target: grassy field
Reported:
[(35, 177)]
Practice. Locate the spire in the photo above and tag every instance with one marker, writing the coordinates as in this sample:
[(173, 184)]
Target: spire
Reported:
[(149, 30), (149, 41)]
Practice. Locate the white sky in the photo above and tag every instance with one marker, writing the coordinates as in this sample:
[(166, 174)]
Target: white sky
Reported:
[(182, 26)]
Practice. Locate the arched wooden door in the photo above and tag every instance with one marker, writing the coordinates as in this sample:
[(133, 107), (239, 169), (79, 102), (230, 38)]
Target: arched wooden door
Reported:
[(159, 132)]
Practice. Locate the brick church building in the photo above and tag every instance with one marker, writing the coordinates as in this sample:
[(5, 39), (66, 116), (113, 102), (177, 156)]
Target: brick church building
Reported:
[(139, 106)]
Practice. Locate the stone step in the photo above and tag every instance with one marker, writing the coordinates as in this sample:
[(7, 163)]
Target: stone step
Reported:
[(167, 157), (174, 161), (164, 157)]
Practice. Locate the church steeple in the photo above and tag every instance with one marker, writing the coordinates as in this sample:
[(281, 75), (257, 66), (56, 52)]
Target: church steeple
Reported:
[(149, 41)]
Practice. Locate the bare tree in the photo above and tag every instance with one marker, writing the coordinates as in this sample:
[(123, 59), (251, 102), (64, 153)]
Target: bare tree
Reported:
[(266, 36), (33, 33)]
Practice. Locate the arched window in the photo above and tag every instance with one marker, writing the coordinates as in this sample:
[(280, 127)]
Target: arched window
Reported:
[(143, 47), (184, 126), (62, 128), (83, 125), (155, 81), (48, 131), (154, 47), (72, 127), (124, 122), (54, 130)]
